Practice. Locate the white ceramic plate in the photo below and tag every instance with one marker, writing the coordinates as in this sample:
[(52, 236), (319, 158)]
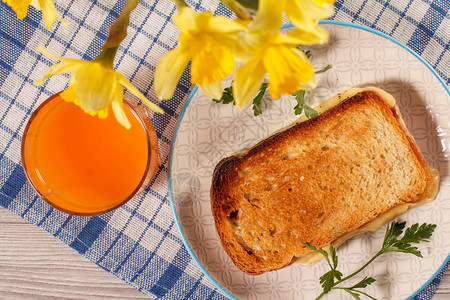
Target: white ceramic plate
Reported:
[(208, 131)]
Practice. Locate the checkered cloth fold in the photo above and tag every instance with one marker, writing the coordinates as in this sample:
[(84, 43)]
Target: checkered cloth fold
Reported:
[(139, 242)]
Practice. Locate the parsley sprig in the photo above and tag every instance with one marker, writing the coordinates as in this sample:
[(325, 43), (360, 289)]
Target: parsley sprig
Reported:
[(301, 106), (227, 97), (391, 243)]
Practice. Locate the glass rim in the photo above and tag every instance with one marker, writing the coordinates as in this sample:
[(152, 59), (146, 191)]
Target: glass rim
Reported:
[(152, 157)]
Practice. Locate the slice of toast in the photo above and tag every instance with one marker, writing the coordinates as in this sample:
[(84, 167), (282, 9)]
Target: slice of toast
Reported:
[(318, 181)]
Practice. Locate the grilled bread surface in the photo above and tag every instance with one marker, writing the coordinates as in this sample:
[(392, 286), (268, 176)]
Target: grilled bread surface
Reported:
[(315, 182)]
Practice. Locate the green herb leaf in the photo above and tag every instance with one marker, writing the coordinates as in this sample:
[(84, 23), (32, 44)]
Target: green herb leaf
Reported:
[(334, 257), (300, 98), (257, 101), (363, 283), (227, 96), (307, 53), (320, 250), (416, 234), (302, 106), (309, 111), (391, 243), (392, 232), (323, 70), (354, 294), (327, 280), (413, 234), (405, 248)]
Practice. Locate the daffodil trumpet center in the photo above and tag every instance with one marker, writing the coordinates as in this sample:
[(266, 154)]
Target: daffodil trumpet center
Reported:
[(211, 61)]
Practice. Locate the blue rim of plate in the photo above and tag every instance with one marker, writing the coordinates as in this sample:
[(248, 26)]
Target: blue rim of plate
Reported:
[(183, 111)]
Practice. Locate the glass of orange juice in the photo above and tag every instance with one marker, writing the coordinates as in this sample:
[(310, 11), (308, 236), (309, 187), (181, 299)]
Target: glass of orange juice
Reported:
[(84, 165)]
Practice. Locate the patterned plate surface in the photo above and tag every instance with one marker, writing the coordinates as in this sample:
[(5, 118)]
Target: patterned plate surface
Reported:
[(208, 131)]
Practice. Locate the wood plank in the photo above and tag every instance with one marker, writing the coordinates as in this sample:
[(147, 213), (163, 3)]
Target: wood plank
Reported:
[(35, 265)]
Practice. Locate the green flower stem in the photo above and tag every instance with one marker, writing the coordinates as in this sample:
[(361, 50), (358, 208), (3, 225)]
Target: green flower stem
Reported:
[(118, 30), (106, 57), (180, 3), (240, 11)]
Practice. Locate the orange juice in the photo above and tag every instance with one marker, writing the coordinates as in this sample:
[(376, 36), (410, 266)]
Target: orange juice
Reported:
[(82, 164)]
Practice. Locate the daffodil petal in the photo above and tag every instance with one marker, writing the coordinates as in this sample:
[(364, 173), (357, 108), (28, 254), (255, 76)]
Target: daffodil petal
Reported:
[(202, 20), (222, 29), (214, 90), (19, 6), (70, 95), (318, 36), (305, 24), (317, 9), (269, 16), (247, 82), (168, 72), (49, 13), (186, 18), (225, 25), (129, 86), (117, 106), (289, 40), (249, 44), (312, 84), (61, 68), (287, 68), (44, 51), (305, 14)]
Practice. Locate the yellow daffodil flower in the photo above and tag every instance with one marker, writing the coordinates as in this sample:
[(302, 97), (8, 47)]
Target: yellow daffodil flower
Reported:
[(49, 13), (94, 85), (305, 15), (265, 50), (206, 40)]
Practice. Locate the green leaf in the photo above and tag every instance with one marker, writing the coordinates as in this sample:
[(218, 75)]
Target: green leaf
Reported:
[(320, 250), (227, 96), (416, 234), (257, 101), (327, 280), (302, 106), (391, 243), (392, 233), (300, 98), (413, 234), (334, 257), (364, 283), (307, 53), (404, 248), (353, 293), (309, 111)]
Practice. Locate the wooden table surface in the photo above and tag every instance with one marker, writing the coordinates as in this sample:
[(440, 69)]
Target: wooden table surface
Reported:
[(35, 265)]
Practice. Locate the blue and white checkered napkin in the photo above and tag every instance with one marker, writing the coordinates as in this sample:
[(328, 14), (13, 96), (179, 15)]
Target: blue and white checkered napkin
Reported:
[(139, 242)]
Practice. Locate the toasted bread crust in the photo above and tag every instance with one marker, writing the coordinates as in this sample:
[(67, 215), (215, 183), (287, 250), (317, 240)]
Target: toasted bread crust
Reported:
[(315, 182)]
